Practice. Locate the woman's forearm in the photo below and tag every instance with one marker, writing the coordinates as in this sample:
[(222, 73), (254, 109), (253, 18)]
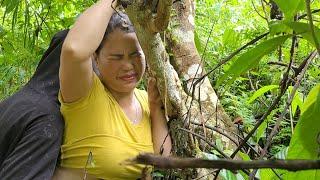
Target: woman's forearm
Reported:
[(160, 133), (88, 31)]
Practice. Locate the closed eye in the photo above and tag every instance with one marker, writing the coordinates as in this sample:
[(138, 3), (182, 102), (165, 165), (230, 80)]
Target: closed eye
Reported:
[(136, 54), (115, 57)]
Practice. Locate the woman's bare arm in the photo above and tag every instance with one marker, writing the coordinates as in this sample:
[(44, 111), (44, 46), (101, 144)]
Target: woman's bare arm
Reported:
[(160, 133), (79, 46)]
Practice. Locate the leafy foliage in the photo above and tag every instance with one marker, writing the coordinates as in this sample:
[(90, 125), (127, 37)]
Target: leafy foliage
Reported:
[(256, 73), (305, 142)]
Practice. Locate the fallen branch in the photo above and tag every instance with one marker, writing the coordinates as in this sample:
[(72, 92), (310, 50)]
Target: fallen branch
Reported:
[(182, 163)]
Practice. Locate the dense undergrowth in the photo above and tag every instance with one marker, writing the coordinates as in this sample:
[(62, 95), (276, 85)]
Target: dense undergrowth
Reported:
[(221, 28)]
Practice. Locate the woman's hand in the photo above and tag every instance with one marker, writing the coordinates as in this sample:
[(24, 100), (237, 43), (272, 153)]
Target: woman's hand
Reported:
[(154, 98)]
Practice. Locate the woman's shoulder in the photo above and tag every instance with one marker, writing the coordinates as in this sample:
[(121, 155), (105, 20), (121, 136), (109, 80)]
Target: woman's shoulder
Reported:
[(96, 92)]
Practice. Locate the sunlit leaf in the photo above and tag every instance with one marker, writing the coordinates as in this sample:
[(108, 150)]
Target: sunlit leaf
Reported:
[(10, 5), (290, 7), (304, 30), (229, 37), (251, 58), (296, 101), (277, 27), (261, 91), (261, 130), (267, 174), (282, 154), (305, 140), (244, 156)]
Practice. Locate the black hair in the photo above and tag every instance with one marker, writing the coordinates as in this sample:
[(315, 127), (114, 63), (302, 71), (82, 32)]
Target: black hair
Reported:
[(118, 20)]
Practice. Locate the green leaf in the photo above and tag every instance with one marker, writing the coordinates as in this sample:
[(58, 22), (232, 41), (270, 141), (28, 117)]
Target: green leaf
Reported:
[(228, 175), (229, 37), (10, 5), (244, 156), (291, 7), (277, 27), (296, 101), (261, 130), (198, 42), (282, 154), (305, 140), (261, 91), (267, 174), (251, 58), (304, 30)]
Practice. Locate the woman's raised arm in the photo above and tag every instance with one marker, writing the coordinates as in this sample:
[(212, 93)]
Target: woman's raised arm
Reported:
[(78, 48)]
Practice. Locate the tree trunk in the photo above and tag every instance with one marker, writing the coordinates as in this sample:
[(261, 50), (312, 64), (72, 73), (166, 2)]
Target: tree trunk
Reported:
[(191, 104)]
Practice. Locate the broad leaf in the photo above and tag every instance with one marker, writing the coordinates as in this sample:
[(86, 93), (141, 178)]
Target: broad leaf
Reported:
[(268, 174), (277, 27), (305, 140), (261, 91), (251, 58), (291, 7), (304, 30)]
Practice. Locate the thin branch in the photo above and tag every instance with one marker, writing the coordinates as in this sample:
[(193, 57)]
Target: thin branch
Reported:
[(183, 163), (225, 60), (226, 135), (259, 122), (193, 85), (303, 64), (264, 10), (284, 86), (305, 15), (217, 130), (256, 10), (205, 140), (294, 68), (289, 101)]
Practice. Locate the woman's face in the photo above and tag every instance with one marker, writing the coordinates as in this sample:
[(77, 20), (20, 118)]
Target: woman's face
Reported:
[(121, 61)]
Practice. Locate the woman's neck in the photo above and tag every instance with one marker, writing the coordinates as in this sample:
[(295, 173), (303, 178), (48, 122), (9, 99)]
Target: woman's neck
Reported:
[(124, 99)]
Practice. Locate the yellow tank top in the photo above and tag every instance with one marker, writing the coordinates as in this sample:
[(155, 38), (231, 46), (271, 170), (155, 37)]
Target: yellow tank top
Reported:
[(97, 125)]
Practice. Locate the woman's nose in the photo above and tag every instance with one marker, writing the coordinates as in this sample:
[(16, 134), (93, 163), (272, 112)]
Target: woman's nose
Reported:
[(128, 63)]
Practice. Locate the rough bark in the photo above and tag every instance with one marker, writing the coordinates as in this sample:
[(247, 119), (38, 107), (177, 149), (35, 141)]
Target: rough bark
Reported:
[(183, 105)]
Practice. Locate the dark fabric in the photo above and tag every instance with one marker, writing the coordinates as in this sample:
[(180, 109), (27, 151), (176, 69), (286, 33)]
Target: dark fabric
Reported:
[(31, 126)]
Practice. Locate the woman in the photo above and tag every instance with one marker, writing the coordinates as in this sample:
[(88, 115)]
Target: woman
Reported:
[(107, 120)]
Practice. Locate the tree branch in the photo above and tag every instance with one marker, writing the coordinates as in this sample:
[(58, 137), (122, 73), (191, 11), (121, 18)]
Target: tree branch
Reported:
[(160, 22), (182, 163)]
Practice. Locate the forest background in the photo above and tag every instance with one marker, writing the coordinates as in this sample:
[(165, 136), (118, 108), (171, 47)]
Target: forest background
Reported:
[(222, 27)]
